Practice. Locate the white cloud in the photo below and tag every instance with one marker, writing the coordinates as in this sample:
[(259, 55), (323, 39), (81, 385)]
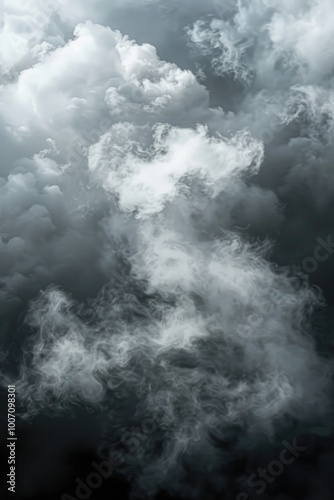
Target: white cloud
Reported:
[(118, 169)]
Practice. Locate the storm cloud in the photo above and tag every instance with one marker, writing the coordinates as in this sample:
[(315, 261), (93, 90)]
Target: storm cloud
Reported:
[(165, 168)]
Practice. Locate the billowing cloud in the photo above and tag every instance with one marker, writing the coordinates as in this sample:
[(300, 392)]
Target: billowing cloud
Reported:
[(156, 160)]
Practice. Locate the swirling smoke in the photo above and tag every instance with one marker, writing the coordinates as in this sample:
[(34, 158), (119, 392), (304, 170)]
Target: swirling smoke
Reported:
[(163, 164)]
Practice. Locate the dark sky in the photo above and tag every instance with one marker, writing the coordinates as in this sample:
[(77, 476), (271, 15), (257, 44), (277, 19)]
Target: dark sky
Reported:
[(167, 246)]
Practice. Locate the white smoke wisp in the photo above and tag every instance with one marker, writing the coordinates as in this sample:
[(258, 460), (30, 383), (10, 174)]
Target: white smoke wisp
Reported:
[(169, 328), (126, 183), (167, 344)]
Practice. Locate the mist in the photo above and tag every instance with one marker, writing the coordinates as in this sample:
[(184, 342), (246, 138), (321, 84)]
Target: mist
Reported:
[(166, 234)]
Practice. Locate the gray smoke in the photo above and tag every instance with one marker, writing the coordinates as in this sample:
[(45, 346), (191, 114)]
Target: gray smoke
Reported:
[(156, 160)]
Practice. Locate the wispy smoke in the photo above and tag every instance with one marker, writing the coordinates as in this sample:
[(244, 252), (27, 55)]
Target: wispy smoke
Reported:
[(144, 197)]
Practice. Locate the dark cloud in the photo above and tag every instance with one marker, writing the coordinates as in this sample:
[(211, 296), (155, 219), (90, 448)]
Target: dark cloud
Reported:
[(165, 207)]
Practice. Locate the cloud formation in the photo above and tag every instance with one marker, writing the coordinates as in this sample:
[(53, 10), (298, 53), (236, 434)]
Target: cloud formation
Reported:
[(144, 186)]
